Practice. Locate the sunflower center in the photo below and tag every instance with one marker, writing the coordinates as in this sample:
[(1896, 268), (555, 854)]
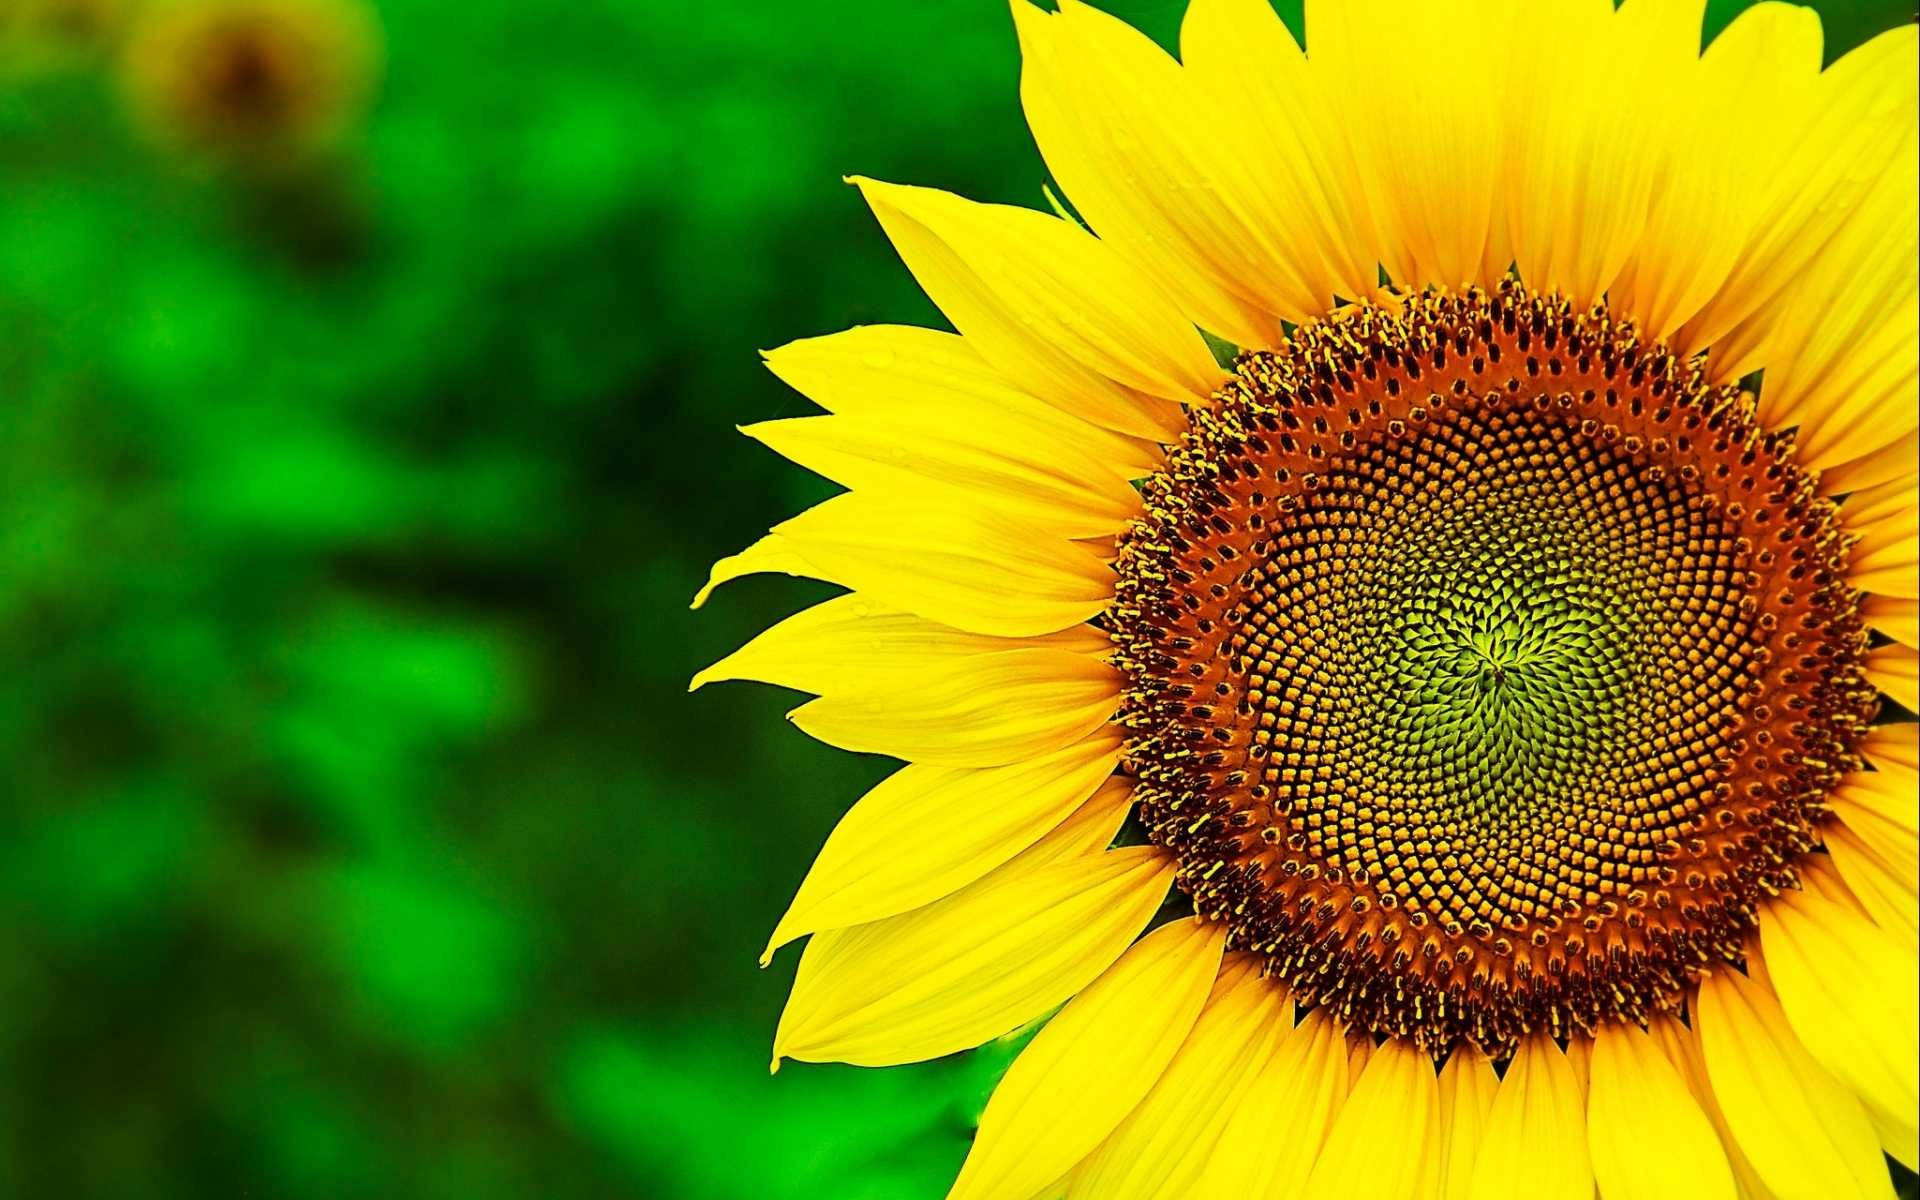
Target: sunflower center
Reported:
[(1486, 667)]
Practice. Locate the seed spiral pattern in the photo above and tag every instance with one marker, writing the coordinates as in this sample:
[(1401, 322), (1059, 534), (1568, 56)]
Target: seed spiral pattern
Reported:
[(1485, 666)]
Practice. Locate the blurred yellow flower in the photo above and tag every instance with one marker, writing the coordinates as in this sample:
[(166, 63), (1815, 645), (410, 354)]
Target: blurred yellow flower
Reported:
[(43, 35), (260, 81)]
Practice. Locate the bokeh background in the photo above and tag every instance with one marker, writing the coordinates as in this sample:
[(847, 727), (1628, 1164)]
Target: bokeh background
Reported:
[(367, 383)]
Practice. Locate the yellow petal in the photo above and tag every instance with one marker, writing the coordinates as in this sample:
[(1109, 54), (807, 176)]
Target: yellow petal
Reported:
[(1880, 806), (1840, 348), (1162, 1148), (995, 463), (1881, 816), (1467, 1088), (1800, 1128), (1053, 310), (896, 684), (1881, 514), (1581, 163), (1118, 125), (1427, 152), (1733, 114), (771, 555), (976, 710), (1091, 1064), (1885, 520), (1359, 1050), (1090, 828), (926, 831), (1380, 1139), (1892, 461), (1887, 887), (1252, 78), (1895, 670), (1850, 990), (963, 970), (1696, 225), (973, 454), (1681, 1046), (1286, 1111), (1535, 1145), (977, 571), (1818, 879), (1812, 143), (885, 371), (1893, 746), (840, 644), (1646, 1135), (1895, 616)]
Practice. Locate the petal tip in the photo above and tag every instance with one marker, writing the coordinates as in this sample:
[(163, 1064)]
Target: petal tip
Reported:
[(782, 934), (1027, 18)]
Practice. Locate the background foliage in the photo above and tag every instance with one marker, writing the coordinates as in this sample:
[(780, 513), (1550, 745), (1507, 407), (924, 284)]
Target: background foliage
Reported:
[(356, 468)]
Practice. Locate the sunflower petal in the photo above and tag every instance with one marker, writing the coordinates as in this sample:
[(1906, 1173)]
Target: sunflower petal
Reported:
[(1840, 350), (1730, 113), (1696, 225), (1681, 1047), (977, 571), (1801, 1129), (1053, 310), (1396, 1093), (1850, 990), (1295, 1091), (1162, 1148), (1116, 121), (1879, 815), (771, 555), (979, 456), (1817, 140), (1887, 887), (1646, 1135), (1895, 670), (1467, 1088), (976, 710), (1886, 521), (1088, 1068), (1259, 87), (1535, 1142), (1089, 829), (1580, 171), (1895, 616), (1893, 747), (839, 643), (925, 831), (1427, 151), (902, 372), (1892, 461), (963, 970)]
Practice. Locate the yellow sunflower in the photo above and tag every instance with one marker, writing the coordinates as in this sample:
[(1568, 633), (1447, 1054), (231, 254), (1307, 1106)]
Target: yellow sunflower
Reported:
[(266, 81), (1461, 748)]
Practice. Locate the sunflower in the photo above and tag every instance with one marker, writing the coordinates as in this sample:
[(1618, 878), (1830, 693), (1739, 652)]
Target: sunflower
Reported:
[(262, 82), (1457, 739)]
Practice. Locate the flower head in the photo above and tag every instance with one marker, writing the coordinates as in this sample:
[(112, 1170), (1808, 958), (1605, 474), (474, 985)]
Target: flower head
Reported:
[(263, 81), (39, 36), (1517, 693)]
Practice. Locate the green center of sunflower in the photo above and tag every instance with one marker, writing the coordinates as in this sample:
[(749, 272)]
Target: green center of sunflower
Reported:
[(1486, 667)]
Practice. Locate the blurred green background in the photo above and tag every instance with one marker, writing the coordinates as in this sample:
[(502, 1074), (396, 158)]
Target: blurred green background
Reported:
[(369, 381)]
